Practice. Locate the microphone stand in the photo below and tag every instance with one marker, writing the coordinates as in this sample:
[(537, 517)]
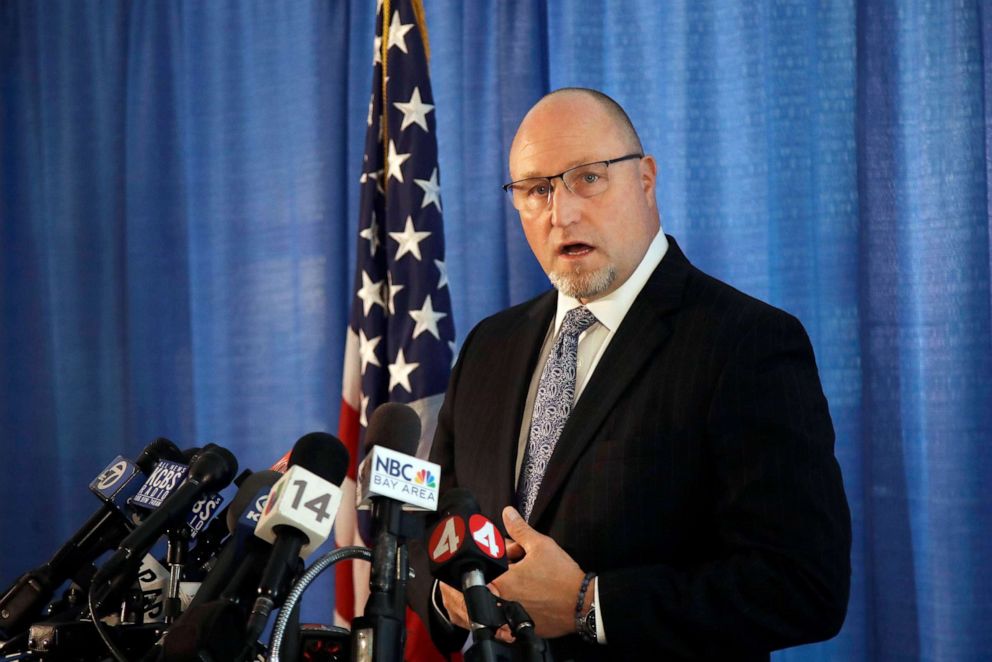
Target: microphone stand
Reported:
[(485, 620), (533, 648), (527, 647), (176, 551), (380, 634)]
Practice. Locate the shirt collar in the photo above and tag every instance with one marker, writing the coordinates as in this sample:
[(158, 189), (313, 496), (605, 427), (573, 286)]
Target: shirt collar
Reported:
[(611, 309)]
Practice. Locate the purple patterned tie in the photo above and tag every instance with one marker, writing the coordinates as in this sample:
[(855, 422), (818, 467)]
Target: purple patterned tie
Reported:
[(555, 394)]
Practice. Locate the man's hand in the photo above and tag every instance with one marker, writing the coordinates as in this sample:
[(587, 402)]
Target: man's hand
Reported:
[(542, 577), (454, 604)]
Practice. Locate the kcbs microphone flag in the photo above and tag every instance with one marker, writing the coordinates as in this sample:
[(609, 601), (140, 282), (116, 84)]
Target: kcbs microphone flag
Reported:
[(400, 341)]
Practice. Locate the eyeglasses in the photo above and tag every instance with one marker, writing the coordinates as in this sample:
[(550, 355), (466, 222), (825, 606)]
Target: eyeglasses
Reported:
[(585, 181)]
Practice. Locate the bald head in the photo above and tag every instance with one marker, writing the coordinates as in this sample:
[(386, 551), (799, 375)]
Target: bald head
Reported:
[(572, 97)]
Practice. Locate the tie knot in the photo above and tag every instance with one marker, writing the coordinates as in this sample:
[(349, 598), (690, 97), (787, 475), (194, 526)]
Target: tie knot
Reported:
[(577, 320)]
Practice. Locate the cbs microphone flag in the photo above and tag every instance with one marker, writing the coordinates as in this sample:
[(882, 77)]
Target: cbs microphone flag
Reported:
[(400, 341)]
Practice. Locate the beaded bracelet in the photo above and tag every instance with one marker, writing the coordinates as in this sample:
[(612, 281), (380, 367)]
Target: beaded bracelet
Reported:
[(581, 601)]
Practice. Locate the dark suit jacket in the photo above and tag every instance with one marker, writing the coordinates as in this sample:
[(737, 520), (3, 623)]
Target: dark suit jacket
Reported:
[(695, 474)]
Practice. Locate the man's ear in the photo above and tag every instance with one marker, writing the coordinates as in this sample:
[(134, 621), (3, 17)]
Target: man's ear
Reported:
[(649, 177)]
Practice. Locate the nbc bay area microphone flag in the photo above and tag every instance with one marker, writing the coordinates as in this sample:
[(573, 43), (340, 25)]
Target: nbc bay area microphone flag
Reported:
[(400, 340)]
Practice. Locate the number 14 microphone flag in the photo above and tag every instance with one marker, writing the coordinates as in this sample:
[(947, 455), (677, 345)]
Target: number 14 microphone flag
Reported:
[(400, 341)]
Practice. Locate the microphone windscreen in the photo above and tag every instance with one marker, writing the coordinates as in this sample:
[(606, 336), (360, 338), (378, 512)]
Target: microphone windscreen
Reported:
[(214, 465), (323, 454), (160, 449), (457, 500), (395, 426), (247, 492)]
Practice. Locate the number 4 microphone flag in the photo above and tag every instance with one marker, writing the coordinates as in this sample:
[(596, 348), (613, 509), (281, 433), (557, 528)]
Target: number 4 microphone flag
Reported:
[(400, 340)]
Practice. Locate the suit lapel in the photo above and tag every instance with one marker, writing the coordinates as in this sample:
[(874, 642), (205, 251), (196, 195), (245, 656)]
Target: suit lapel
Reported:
[(512, 376), (643, 331)]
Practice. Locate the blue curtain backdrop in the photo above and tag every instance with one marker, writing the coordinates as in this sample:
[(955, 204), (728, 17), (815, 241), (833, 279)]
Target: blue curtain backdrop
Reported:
[(178, 208)]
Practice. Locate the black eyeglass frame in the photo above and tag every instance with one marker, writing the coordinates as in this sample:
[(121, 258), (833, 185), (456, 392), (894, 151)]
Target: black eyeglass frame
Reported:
[(561, 175)]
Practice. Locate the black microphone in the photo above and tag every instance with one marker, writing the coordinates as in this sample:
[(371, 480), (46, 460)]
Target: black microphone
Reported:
[(211, 470), (23, 602), (467, 551), (209, 542), (298, 517), (170, 582), (391, 480), (236, 565), (238, 560)]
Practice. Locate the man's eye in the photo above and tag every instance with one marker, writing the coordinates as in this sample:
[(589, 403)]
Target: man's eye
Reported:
[(538, 190), (589, 178)]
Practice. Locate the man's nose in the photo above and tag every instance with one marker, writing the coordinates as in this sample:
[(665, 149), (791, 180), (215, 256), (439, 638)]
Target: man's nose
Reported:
[(565, 205)]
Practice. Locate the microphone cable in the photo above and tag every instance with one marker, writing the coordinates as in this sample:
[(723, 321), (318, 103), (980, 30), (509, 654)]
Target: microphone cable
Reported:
[(104, 636), (314, 571)]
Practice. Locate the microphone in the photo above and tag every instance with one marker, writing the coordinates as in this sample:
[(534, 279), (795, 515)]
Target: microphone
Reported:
[(164, 479), (298, 517), (169, 589), (391, 469), (210, 470), (392, 481), (235, 564), (160, 485), (212, 537), (23, 602), (467, 551), (240, 552)]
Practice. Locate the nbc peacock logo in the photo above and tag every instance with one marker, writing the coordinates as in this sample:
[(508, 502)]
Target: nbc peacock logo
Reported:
[(425, 477)]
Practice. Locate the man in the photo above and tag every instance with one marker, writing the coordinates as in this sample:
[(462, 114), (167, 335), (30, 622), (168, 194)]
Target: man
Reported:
[(656, 443)]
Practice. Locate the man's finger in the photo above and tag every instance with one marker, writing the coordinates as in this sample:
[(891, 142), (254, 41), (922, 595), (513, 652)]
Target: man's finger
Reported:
[(454, 604), (503, 634), (518, 529), (514, 551)]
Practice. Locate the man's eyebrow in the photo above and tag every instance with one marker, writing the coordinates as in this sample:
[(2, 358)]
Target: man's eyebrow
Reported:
[(529, 174)]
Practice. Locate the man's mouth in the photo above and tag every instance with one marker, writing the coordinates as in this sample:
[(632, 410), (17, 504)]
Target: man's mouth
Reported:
[(575, 249)]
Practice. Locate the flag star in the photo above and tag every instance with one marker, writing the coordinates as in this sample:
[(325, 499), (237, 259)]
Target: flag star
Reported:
[(377, 56), (397, 32), (372, 234), (409, 240), (399, 372), (368, 120), (432, 191), (366, 350), (414, 111), (363, 414), (394, 161), (393, 291), (377, 178), (426, 319), (371, 293), (443, 269)]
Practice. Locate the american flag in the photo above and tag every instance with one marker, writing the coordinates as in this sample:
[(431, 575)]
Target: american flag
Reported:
[(401, 334)]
